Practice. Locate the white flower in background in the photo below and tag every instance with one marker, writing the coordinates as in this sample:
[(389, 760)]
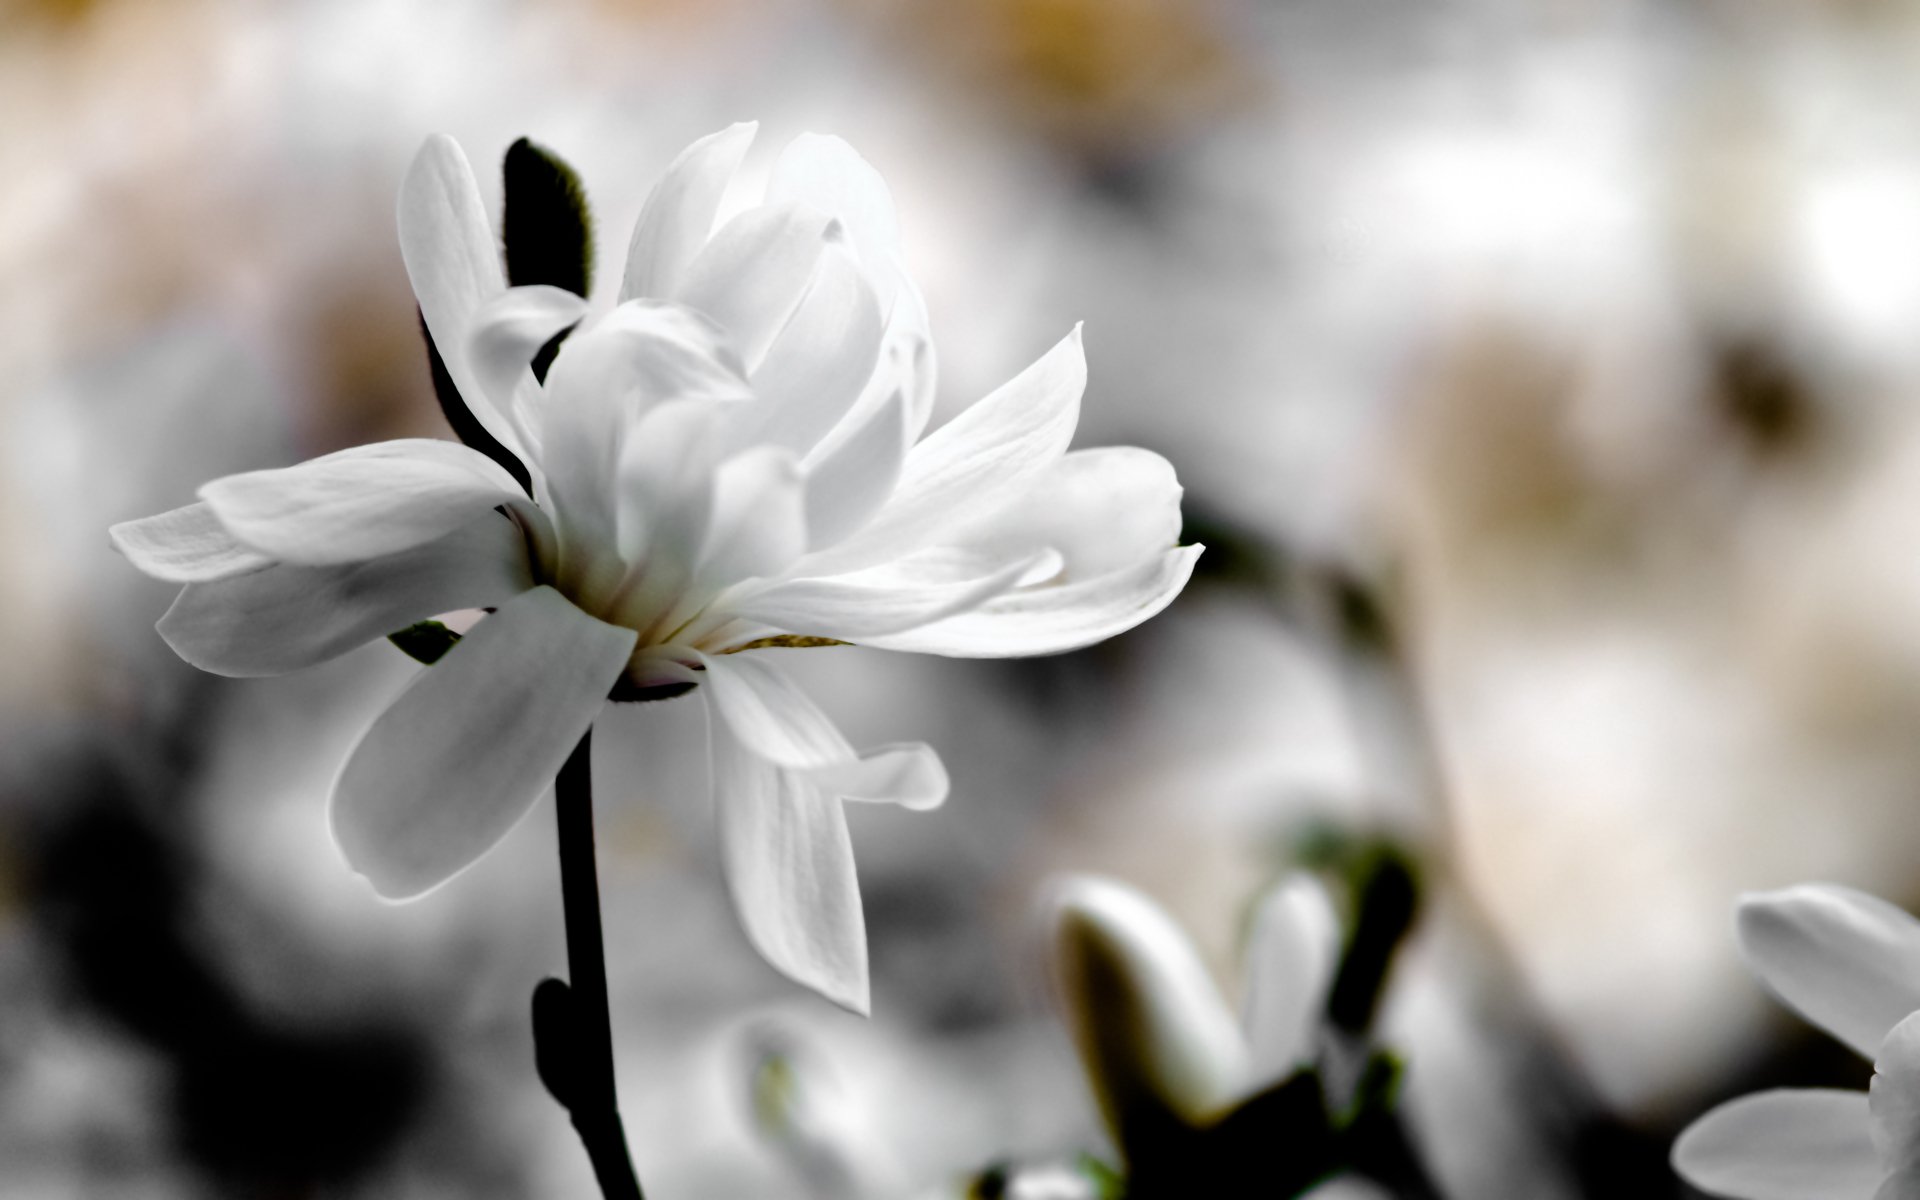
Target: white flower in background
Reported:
[(1850, 963), (730, 461), (1151, 1027)]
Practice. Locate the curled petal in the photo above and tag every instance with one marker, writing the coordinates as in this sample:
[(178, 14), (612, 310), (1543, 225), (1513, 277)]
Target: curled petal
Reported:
[(1847, 961), (825, 173), (465, 751), (1786, 1144), (509, 330), (286, 617), (820, 362), (909, 774), (1151, 1028), (185, 545), (789, 868), (1051, 618), (363, 502), (454, 266), (678, 214), (1291, 958), (769, 714), (1103, 509)]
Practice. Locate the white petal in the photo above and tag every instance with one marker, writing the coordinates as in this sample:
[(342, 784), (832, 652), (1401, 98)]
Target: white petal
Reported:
[(851, 476), (1786, 1144), (759, 517), (1103, 509), (287, 617), (509, 330), (977, 463), (362, 502), (871, 606), (827, 174), (185, 545), (1847, 961), (678, 215), (454, 265), (770, 715), (606, 381), (1894, 1097), (822, 358), (909, 774), (1150, 1025), (789, 866), (664, 501), (750, 277), (465, 751), (1291, 957), (1054, 617)]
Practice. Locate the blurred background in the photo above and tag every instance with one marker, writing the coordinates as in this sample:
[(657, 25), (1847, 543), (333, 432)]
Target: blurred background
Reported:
[(1543, 376)]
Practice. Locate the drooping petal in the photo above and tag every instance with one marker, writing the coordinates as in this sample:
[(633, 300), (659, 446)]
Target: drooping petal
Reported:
[(1152, 1031), (287, 617), (678, 214), (454, 265), (978, 462), (759, 517), (851, 476), (508, 330), (770, 715), (750, 277), (1785, 1144), (1103, 509), (1847, 961), (789, 867), (185, 545), (362, 502), (465, 751), (1894, 1098), (1291, 957), (822, 358), (1052, 618), (869, 606)]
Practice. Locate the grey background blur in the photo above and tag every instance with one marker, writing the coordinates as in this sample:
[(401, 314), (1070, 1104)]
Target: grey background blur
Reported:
[(1582, 334)]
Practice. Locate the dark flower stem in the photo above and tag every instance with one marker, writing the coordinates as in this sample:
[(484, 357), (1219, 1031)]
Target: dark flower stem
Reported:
[(590, 1097)]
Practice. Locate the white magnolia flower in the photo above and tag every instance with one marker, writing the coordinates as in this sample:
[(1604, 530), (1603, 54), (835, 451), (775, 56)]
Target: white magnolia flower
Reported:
[(1850, 963), (731, 460), (1151, 1026)]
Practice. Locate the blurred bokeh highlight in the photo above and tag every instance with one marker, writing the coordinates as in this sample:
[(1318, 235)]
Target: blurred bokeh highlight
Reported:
[(1544, 378)]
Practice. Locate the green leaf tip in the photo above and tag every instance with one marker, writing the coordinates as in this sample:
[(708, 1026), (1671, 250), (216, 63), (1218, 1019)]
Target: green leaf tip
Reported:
[(546, 226), (425, 641)]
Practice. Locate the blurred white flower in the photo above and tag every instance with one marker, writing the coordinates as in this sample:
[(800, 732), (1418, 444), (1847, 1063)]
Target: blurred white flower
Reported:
[(1850, 963), (1151, 1027), (731, 460)]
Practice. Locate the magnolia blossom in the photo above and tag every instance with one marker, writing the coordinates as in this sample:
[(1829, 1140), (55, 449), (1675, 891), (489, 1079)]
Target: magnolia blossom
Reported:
[(1850, 963), (730, 463), (1153, 1029)]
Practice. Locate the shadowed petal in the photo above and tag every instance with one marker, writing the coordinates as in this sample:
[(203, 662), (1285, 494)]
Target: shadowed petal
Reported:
[(1290, 961), (1847, 961), (1150, 1026), (820, 362), (873, 605), (1894, 1097), (509, 330), (909, 774), (362, 502), (185, 545), (854, 471), (1786, 1144), (789, 867), (286, 617), (1103, 509), (1051, 618), (465, 751), (678, 214)]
